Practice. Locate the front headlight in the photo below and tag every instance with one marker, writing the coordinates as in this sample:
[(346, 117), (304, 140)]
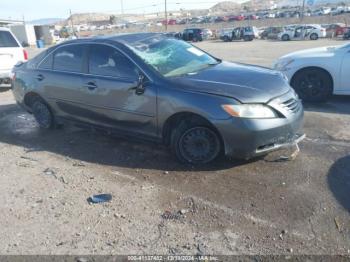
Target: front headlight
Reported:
[(250, 111), (283, 64)]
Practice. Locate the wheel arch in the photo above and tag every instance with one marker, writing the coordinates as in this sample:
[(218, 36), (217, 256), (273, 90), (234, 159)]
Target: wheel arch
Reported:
[(30, 97), (172, 121)]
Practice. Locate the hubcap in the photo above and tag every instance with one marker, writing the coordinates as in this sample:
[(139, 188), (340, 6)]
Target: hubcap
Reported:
[(199, 145), (311, 85)]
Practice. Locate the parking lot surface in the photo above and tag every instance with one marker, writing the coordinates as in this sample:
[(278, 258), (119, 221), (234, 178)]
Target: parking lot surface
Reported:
[(263, 206)]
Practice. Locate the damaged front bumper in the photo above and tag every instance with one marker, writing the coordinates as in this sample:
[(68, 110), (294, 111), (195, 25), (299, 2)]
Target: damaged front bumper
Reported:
[(249, 138), (272, 147)]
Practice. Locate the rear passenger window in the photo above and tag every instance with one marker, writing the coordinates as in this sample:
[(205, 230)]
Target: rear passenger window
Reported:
[(107, 61), (69, 58), (7, 40), (46, 63)]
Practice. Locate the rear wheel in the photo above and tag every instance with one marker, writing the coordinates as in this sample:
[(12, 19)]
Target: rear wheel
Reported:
[(285, 38), (195, 144), (42, 114), (313, 85), (314, 36)]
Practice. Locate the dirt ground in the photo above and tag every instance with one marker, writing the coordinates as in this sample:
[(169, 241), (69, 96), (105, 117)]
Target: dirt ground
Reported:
[(161, 207)]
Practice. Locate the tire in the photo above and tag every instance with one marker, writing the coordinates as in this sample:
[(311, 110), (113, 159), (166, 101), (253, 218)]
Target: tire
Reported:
[(313, 36), (195, 143), (313, 85), (285, 38), (226, 39), (43, 114)]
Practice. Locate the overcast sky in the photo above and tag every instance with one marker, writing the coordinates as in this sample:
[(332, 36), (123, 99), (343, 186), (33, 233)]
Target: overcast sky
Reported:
[(35, 9)]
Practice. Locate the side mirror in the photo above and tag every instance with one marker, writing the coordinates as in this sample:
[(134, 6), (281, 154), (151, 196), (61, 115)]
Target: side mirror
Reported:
[(140, 88)]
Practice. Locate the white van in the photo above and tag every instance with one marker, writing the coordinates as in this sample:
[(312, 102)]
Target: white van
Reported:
[(11, 52)]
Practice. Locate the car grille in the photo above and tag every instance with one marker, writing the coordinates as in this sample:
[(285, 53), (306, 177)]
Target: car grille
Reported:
[(293, 105)]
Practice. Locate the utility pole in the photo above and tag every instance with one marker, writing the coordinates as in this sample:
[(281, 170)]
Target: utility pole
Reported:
[(71, 21), (166, 15), (302, 18), (302, 11)]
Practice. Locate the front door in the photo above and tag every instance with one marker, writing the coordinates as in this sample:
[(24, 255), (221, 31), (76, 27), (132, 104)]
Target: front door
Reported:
[(110, 95), (344, 72)]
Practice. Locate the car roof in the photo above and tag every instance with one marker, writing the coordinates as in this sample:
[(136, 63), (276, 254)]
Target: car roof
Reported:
[(121, 38), (130, 37)]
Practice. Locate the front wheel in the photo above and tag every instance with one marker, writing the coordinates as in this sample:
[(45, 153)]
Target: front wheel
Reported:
[(285, 38), (195, 144), (313, 85), (42, 114)]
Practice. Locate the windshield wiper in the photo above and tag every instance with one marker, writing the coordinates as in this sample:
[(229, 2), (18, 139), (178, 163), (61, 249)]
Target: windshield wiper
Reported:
[(218, 61)]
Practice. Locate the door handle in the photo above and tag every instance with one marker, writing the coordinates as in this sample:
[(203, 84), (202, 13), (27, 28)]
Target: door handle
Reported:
[(40, 77), (90, 85)]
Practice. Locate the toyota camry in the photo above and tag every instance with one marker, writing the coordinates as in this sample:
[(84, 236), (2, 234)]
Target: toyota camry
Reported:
[(161, 89)]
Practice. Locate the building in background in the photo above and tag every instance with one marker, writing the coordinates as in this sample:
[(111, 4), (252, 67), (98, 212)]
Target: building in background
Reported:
[(24, 33)]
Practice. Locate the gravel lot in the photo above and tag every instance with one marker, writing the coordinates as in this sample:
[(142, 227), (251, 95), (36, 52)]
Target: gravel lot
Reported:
[(256, 207)]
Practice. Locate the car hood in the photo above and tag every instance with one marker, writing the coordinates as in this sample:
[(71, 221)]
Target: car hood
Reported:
[(319, 51), (245, 83)]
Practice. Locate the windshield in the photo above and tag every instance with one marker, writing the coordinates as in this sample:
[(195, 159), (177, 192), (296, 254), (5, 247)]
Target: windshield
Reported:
[(171, 57)]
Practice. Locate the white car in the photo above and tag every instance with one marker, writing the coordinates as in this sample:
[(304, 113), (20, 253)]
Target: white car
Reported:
[(207, 33), (317, 73), (11, 52), (312, 32)]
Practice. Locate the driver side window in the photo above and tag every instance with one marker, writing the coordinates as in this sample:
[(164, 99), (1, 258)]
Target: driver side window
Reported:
[(107, 61)]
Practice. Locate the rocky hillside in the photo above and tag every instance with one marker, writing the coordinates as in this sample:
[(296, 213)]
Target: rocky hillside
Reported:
[(84, 18), (226, 6)]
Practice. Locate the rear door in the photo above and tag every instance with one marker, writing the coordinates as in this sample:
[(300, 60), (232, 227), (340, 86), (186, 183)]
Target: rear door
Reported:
[(61, 75), (110, 96), (189, 35), (11, 51), (185, 35)]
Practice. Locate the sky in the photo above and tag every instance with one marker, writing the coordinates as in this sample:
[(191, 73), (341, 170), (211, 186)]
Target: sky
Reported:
[(37, 9)]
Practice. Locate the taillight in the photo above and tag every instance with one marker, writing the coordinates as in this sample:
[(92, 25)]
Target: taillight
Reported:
[(13, 76), (25, 54)]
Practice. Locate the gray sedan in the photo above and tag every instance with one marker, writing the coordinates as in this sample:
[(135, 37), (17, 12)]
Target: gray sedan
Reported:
[(161, 89)]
